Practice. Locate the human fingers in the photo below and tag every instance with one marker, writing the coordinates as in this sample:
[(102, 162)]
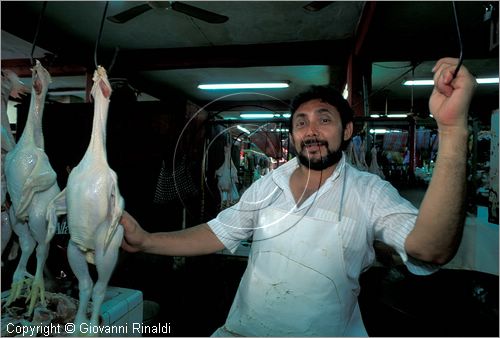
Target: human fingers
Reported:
[(127, 247), (127, 221), (446, 60), (443, 77), (450, 64), (129, 226)]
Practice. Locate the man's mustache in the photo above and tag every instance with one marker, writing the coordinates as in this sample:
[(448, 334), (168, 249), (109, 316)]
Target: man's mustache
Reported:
[(314, 141)]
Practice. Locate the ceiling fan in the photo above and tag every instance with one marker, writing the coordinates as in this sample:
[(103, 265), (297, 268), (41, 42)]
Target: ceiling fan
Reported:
[(178, 6), (315, 6)]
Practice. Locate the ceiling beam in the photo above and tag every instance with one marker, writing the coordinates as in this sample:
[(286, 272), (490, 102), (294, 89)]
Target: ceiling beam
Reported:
[(22, 67), (333, 53), (278, 54), (226, 106)]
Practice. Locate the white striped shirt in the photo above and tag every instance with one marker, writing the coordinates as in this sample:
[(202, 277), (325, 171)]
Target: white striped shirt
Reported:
[(373, 208)]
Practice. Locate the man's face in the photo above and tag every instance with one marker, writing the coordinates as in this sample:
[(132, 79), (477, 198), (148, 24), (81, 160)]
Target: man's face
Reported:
[(317, 134)]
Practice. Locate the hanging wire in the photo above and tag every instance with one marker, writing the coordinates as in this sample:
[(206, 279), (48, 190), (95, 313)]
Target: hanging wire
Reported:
[(416, 64), (117, 49), (200, 30), (98, 40), (37, 31), (413, 79), (389, 67), (461, 58)]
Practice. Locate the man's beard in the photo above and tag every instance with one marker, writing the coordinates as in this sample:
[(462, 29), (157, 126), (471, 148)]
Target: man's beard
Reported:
[(332, 157)]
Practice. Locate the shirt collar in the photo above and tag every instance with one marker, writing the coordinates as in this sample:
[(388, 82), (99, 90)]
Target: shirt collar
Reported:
[(281, 176)]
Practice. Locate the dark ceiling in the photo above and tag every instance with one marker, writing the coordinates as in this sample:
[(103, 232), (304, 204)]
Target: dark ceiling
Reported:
[(162, 51), (420, 32)]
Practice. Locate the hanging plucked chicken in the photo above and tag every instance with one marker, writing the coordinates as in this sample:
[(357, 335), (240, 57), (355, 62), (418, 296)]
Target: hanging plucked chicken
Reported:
[(11, 87), (93, 205), (32, 184), (374, 167), (227, 177)]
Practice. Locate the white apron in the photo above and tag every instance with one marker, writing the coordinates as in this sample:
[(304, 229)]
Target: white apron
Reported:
[(295, 283)]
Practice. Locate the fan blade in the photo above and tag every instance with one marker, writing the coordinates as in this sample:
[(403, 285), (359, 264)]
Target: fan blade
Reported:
[(315, 6), (129, 14), (198, 13)]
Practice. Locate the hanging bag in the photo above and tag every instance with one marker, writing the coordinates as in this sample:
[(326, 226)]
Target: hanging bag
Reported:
[(174, 183)]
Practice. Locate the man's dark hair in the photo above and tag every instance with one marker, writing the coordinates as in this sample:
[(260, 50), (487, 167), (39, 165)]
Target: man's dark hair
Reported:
[(326, 94)]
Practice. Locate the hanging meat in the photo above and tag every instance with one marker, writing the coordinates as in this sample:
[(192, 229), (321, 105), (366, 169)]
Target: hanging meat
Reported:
[(32, 184), (93, 205), (11, 86), (374, 167), (356, 153), (227, 176)]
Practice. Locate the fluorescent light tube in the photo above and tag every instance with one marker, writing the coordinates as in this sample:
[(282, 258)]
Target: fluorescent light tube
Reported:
[(256, 116), (217, 86), (487, 80), (419, 83), (287, 115), (243, 129), (384, 131), (345, 93), (378, 131), (389, 115)]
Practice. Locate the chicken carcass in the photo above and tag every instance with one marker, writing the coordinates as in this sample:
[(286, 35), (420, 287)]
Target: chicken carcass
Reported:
[(227, 176), (32, 184), (374, 167), (93, 205), (11, 86)]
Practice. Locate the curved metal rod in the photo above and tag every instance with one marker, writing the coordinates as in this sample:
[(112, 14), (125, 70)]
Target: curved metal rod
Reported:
[(461, 58), (98, 40), (42, 12)]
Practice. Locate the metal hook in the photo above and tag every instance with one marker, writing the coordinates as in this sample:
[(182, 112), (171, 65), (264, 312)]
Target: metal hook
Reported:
[(42, 12), (113, 59), (413, 66), (461, 58), (98, 40)]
